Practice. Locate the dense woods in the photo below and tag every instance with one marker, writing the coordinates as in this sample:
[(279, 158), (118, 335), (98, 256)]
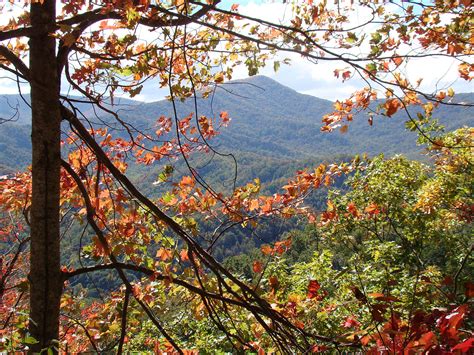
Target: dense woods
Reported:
[(147, 227)]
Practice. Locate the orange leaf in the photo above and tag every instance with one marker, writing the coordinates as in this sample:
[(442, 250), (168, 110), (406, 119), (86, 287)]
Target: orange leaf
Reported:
[(183, 254), (392, 106), (273, 282), (372, 209), (225, 117), (351, 207), (397, 61), (164, 254), (257, 267), (266, 249), (187, 180)]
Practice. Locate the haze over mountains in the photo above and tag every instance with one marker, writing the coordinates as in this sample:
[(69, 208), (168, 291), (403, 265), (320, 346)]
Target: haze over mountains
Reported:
[(268, 120)]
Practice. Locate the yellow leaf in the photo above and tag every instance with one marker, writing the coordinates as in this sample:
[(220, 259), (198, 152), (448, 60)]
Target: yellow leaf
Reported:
[(253, 205), (219, 77)]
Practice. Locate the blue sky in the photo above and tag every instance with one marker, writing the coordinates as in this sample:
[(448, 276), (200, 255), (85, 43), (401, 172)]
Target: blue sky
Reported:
[(305, 77)]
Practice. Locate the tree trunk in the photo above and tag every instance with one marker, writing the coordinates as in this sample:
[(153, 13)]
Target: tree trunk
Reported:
[(45, 273)]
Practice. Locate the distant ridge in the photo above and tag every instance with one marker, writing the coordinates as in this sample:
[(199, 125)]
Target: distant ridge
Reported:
[(268, 119)]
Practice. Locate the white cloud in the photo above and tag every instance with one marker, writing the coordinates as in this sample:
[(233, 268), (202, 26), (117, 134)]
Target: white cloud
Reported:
[(304, 76), (319, 80)]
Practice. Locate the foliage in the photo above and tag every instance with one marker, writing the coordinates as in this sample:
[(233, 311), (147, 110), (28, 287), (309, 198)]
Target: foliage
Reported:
[(391, 269)]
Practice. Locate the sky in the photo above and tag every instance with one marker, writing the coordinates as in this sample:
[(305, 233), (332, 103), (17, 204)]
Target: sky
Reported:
[(303, 76)]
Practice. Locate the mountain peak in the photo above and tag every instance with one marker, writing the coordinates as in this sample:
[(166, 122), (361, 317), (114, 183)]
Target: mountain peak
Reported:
[(262, 82), (261, 79)]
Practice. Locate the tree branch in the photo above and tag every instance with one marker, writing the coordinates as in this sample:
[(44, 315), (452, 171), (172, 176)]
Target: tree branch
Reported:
[(105, 244), (282, 327), (17, 62), (123, 326)]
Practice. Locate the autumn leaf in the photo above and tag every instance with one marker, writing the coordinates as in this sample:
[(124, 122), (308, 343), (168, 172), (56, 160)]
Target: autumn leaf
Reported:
[(183, 255), (68, 39), (313, 288), (319, 348), (392, 106), (350, 322), (397, 60), (274, 282), (372, 209), (187, 181), (358, 294), (219, 77), (377, 314), (465, 346), (164, 254), (351, 207), (224, 115), (254, 205), (266, 249), (257, 267)]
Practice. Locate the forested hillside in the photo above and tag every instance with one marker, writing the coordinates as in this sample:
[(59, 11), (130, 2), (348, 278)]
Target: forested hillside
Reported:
[(274, 131), (268, 120)]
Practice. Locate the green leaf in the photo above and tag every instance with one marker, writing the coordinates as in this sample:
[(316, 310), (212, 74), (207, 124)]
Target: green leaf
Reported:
[(351, 37), (376, 37), (371, 67), (30, 340), (168, 197), (276, 66)]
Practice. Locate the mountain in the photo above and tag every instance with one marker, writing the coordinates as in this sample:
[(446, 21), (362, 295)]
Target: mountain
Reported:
[(274, 132), (268, 120)]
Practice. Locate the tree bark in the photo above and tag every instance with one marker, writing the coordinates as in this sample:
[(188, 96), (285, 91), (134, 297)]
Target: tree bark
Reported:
[(45, 273)]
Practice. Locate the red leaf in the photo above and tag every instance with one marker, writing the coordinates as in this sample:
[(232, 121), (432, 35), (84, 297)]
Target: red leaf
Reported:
[(427, 340), (465, 346), (313, 288), (318, 348), (469, 292), (224, 117), (351, 207), (358, 294), (350, 322), (273, 282), (377, 315), (257, 267)]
